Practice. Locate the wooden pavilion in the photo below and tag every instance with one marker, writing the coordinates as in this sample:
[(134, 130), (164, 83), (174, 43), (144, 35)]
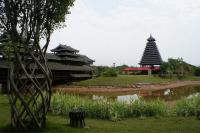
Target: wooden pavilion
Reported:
[(69, 66)]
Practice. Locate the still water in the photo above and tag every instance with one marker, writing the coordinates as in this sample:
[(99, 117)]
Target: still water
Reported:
[(170, 94)]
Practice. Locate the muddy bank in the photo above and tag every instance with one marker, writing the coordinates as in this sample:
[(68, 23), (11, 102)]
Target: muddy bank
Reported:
[(135, 87)]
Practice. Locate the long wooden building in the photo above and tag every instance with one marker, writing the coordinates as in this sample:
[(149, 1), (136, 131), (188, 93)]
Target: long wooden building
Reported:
[(65, 63)]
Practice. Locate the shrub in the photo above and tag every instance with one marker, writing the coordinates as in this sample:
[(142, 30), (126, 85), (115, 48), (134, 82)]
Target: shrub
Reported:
[(152, 108), (110, 73), (188, 107), (197, 71)]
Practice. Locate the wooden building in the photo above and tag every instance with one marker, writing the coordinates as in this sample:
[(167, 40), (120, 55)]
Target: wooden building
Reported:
[(65, 63), (69, 66)]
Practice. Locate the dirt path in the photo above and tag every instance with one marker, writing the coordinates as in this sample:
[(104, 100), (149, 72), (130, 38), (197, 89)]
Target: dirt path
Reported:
[(136, 87)]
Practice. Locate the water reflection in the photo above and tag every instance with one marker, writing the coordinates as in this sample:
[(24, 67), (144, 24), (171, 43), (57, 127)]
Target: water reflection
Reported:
[(128, 98), (167, 94)]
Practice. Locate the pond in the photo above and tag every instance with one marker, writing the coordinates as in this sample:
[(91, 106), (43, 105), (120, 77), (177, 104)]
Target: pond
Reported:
[(168, 95)]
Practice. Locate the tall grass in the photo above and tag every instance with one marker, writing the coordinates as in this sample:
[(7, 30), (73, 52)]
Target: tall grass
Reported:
[(62, 104), (188, 107)]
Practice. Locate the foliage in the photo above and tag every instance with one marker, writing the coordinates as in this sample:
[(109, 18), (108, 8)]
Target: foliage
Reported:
[(176, 67), (6, 47), (113, 110), (101, 70), (26, 22), (188, 107), (120, 68), (98, 70), (151, 124), (111, 72), (197, 71)]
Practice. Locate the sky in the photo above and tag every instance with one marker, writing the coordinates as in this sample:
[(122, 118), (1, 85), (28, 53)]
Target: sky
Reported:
[(115, 31)]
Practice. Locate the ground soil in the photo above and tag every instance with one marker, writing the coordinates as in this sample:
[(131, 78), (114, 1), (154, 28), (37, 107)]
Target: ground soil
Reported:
[(135, 87)]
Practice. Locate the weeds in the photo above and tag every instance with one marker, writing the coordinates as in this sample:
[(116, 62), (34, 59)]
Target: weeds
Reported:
[(188, 107), (61, 104)]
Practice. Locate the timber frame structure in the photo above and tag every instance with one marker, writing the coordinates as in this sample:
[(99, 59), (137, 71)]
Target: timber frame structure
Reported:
[(151, 55), (65, 63)]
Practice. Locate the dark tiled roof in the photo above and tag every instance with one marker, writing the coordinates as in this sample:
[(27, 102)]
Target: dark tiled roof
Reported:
[(66, 54), (151, 55), (88, 60), (57, 58), (79, 58), (151, 39), (80, 75), (61, 48), (65, 67)]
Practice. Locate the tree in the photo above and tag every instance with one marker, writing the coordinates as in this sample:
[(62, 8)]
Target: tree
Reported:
[(27, 22), (177, 67), (120, 68), (197, 71)]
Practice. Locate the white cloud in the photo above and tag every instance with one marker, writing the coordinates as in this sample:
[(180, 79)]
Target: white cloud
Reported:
[(119, 34)]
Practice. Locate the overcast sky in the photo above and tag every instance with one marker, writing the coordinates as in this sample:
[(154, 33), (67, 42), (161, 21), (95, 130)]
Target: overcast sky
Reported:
[(116, 30)]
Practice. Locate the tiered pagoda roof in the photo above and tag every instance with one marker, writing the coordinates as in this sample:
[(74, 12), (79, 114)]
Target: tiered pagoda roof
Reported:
[(64, 48), (151, 55), (65, 63), (63, 53)]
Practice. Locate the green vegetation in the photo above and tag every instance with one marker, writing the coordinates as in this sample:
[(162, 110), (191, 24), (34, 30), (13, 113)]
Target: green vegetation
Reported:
[(177, 68), (137, 125), (197, 71), (188, 107), (113, 110), (105, 71), (4, 111), (110, 73), (128, 80)]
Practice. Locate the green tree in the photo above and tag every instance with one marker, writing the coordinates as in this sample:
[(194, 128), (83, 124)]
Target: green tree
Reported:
[(197, 71), (110, 72), (27, 22), (120, 68), (177, 67)]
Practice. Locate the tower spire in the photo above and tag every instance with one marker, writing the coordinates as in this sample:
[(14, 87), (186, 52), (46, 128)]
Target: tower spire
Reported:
[(151, 55)]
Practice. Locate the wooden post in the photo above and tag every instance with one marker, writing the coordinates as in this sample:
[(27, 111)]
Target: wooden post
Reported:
[(149, 72)]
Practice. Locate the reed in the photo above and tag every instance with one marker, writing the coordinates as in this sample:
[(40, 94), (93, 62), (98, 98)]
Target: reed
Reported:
[(61, 104), (188, 107)]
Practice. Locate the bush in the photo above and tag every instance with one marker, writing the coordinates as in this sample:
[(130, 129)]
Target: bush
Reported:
[(110, 73), (197, 71), (188, 107)]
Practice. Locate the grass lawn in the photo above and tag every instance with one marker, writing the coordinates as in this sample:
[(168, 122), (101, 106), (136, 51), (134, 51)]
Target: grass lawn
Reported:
[(127, 80), (136, 125)]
